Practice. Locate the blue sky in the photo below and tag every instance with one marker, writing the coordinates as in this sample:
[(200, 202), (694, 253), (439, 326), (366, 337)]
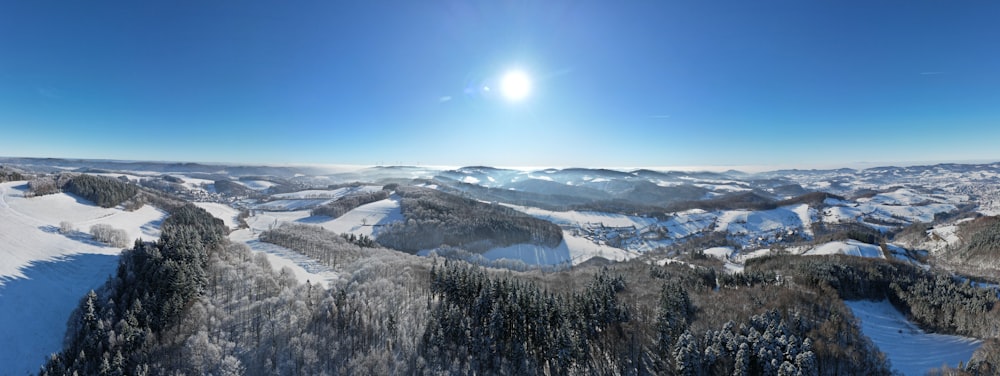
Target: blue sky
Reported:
[(615, 84)]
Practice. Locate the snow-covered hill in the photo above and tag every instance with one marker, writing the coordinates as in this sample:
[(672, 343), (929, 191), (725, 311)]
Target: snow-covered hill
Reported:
[(911, 350), (44, 273)]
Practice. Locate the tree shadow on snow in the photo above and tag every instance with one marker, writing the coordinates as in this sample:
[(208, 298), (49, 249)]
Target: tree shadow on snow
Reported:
[(79, 236), (34, 310), (314, 219)]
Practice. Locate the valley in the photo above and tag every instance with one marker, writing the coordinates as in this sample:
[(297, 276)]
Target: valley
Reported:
[(316, 229)]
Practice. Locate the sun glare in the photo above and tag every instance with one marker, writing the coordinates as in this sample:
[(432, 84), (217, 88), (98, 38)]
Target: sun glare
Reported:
[(515, 85)]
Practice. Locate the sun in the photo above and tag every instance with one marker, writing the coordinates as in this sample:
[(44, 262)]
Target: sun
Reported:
[(515, 85)]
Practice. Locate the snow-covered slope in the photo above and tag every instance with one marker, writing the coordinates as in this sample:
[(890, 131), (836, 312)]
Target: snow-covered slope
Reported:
[(302, 267), (328, 193), (899, 207), (849, 247), (766, 223), (365, 219), (43, 274), (224, 212), (911, 350), (30, 227)]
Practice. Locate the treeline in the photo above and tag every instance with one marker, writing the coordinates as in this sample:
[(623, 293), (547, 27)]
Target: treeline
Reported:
[(345, 204), (319, 244), (114, 330), (978, 252), (824, 232), (733, 201), (668, 320), (485, 325), (104, 191), (46, 185), (937, 302), (233, 189), (752, 201), (7, 174), (741, 328), (434, 219)]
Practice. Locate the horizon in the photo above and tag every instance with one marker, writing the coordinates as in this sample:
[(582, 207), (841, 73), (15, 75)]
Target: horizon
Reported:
[(342, 168), (772, 83)]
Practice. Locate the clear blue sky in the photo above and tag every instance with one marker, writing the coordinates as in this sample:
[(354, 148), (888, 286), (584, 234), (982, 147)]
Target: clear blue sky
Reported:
[(615, 83)]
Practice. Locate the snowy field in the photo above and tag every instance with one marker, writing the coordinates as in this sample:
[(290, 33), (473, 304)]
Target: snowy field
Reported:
[(849, 247), (892, 207), (579, 218), (30, 227), (755, 223), (363, 220), (575, 249), (43, 274), (328, 193), (302, 267), (291, 205), (221, 211), (911, 350)]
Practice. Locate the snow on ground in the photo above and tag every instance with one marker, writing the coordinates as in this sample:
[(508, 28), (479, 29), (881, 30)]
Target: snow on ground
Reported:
[(900, 253), (221, 211), (941, 237), (195, 184), (743, 257), (291, 205), (363, 220), (531, 254), (765, 222), (911, 350), (688, 222), (30, 227), (580, 218), (838, 214), (541, 177), (34, 309), (899, 197), (923, 213), (328, 193), (849, 247), (263, 220), (721, 253), (893, 207), (806, 215), (43, 274), (582, 249), (732, 267), (304, 268)]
